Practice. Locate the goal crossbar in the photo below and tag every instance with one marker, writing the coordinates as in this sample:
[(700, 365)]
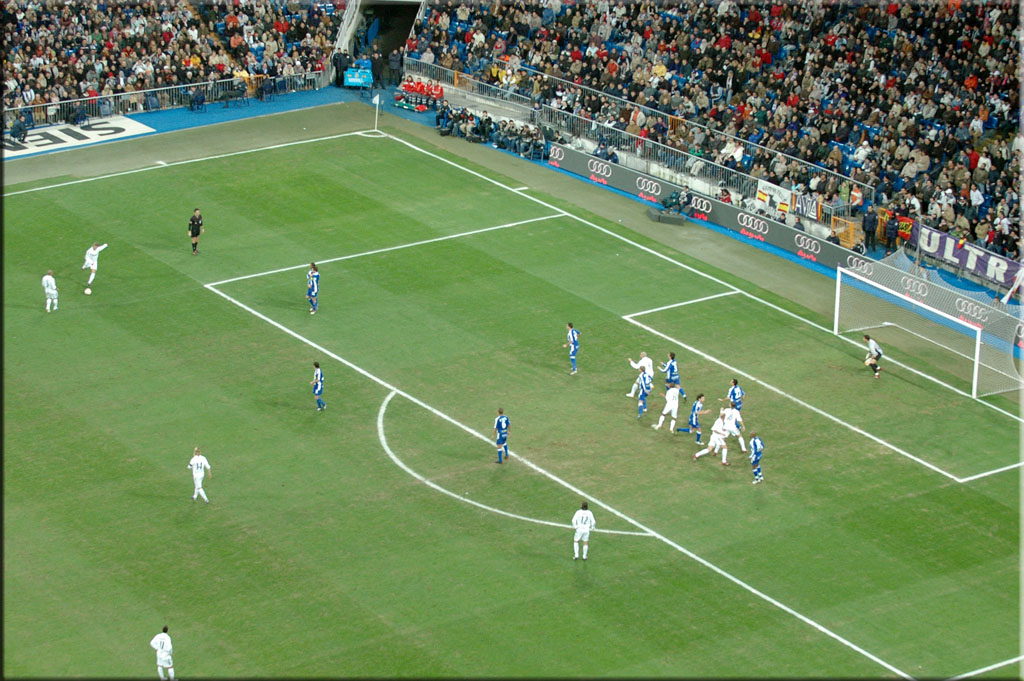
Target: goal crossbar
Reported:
[(919, 307)]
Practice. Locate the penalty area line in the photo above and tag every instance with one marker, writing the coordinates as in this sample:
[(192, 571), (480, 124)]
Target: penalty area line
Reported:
[(674, 305), (388, 249), (597, 502), (793, 398), (997, 665), (433, 485)]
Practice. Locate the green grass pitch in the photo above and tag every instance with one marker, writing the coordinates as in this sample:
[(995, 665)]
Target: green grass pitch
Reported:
[(319, 555)]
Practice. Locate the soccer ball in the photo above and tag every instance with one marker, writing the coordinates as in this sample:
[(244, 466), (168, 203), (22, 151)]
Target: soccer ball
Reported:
[(88, 292)]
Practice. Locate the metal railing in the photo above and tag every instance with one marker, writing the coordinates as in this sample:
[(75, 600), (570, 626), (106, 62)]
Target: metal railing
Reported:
[(349, 19), (175, 96), (653, 158)]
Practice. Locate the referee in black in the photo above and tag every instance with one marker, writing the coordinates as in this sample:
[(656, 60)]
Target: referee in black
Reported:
[(195, 228)]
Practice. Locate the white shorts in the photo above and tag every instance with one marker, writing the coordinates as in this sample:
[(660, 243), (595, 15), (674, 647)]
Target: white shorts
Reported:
[(735, 432), (89, 265), (198, 479), (581, 535), (716, 441), (163, 659), (52, 295), (671, 409)]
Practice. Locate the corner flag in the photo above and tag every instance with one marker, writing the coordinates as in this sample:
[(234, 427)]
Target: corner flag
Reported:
[(376, 99)]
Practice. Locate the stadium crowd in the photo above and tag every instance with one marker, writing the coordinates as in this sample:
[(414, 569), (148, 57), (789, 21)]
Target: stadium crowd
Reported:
[(275, 38), (912, 98), (56, 51)]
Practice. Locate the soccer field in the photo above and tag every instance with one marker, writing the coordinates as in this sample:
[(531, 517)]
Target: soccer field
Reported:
[(378, 538)]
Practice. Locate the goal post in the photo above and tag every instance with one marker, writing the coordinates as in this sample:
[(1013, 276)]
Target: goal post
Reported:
[(907, 317)]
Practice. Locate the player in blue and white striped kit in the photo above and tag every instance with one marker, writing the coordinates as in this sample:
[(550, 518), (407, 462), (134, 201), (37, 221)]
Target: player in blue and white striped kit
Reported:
[(735, 395), (695, 413), (312, 286), (756, 449), (572, 341), (646, 386), (671, 371), (318, 386), (501, 428)]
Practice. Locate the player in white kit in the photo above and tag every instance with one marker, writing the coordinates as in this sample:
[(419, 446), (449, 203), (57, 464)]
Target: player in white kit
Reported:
[(645, 363), (199, 465), (671, 407), (583, 522), (92, 258), (717, 441), (50, 290), (734, 424), (161, 643)]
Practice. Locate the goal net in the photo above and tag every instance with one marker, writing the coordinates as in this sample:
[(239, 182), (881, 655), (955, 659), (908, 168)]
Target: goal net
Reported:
[(961, 335)]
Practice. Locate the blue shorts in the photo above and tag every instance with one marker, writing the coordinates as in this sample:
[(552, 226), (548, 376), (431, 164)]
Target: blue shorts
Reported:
[(694, 423), (318, 389), (310, 293), (500, 440), (573, 349)]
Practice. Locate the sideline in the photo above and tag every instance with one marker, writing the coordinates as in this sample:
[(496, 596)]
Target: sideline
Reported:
[(163, 164)]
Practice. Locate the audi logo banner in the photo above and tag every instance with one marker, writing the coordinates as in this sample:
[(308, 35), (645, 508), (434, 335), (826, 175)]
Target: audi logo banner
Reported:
[(914, 287), (700, 204), (862, 265), (645, 184), (746, 226), (972, 309)]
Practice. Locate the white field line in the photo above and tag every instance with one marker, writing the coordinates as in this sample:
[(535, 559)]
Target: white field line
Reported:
[(551, 476), (991, 472), (433, 485), (666, 258), (375, 134), (630, 318), (388, 249), (797, 400), (685, 302), (162, 164), (997, 665)]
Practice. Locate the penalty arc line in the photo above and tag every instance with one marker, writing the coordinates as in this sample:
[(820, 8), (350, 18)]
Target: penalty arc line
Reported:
[(433, 485), (635, 523), (797, 400), (698, 272)]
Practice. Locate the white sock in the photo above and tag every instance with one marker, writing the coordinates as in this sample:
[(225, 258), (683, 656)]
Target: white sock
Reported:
[(575, 549), (701, 453), (170, 670), (203, 495), (725, 453), (47, 304), (91, 277), (672, 425), (585, 547), (661, 420), (55, 304), (160, 671), (743, 446)]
